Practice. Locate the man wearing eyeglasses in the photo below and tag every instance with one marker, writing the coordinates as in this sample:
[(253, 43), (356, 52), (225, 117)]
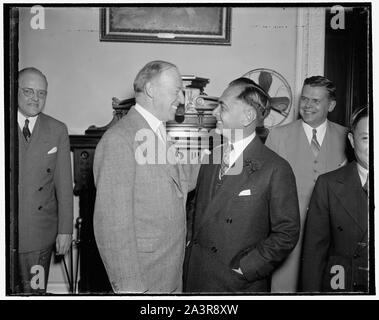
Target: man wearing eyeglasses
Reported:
[(45, 213), (313, 146)]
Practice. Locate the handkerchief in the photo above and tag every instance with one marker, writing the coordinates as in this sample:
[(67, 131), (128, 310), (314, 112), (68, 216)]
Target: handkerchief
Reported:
[(52, 150), (246, 192)]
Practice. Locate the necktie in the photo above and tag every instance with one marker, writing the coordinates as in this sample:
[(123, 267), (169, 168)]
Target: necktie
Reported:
[(162, 132), (26, 131), (225, 160), (365, 186), (315, 146)]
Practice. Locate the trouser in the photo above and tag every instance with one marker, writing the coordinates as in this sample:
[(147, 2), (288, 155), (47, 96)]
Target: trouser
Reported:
[(33, 270)]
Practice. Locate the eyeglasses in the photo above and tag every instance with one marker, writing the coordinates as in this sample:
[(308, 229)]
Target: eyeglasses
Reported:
[(30, 92)]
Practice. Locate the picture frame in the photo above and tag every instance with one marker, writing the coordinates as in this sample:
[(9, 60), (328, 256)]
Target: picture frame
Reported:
[(161, 24)]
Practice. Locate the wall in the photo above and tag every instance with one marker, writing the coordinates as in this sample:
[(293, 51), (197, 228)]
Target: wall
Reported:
[(84, 73)]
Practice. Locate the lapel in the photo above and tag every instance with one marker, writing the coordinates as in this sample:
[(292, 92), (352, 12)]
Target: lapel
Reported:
[(348, 190), (140, 123), (40, 135), (251, 156)]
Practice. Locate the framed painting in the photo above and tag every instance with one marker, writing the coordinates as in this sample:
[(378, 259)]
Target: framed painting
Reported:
[(191, 25)]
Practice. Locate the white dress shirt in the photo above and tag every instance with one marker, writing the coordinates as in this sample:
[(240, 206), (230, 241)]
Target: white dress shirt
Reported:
[(362, 174), (154, 123), (238, 147), (321, 130), (21, 121)]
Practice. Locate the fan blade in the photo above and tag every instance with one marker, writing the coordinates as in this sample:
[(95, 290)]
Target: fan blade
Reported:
[(279, 104), (265, 80)]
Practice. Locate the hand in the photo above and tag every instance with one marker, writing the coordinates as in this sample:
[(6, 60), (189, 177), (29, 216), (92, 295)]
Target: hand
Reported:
[(62, 243), (238, 271)]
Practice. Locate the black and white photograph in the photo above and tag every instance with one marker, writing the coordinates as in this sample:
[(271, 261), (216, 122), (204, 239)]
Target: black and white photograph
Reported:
[(188, 150)]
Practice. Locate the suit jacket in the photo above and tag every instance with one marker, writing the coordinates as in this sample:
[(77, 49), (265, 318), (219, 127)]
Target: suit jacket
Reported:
[(45, 185), (253, 232), (139, 217), (291, 143), (336, 233)]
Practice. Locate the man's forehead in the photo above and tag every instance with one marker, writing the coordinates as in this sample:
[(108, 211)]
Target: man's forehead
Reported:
[(315, 90), (32, 77)]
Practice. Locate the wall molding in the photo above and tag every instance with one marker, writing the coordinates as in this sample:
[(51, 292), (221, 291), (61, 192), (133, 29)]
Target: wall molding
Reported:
[(310, 47)]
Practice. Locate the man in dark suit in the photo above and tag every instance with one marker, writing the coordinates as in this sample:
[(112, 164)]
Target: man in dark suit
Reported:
[(247, 217), (45, 184), (335, 251)]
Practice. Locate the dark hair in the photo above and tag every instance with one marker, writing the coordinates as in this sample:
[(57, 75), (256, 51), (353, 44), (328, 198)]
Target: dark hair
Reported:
[(150, 71), (357, 116), (253, 95), (320, 81)]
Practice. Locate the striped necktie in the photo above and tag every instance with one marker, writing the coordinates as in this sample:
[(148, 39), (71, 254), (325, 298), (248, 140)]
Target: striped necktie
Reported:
[(315, 146), (225, 160), (26, 131)]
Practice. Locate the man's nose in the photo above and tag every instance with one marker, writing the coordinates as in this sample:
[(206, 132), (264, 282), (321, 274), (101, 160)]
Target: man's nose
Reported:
[(35, 96)]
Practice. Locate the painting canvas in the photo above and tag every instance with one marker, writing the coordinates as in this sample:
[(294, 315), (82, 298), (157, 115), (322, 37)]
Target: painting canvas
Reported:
[(199, 25)]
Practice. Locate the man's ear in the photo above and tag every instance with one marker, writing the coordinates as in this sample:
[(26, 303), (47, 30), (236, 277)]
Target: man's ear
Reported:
[(250, 116), (332, 105), (351, 139), (149, 89)]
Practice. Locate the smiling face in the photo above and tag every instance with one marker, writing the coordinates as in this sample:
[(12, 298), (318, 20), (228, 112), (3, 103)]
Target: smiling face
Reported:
[(315, 105), (167, 94), (32, 91), (359, 140), (232, 113)]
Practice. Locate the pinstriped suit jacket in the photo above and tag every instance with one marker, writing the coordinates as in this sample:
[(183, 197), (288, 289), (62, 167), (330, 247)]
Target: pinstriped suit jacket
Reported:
[(45, 185)]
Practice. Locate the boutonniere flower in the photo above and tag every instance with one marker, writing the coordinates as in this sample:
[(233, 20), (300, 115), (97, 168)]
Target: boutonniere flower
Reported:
[(252, 165)]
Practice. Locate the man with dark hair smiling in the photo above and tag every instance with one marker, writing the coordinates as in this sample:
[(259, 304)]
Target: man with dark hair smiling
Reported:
[(312, 145), (247, 217), (335, 251)]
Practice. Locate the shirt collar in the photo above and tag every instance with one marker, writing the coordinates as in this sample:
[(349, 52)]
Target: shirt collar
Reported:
[(21, 120), (362, 173), (152, 120), (321, 130)]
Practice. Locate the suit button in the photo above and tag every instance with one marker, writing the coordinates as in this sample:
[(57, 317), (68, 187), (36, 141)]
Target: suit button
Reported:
[(48, 170), (40, 207), (214, 249), (339, 228), (194, 241), (40, 188), (315, 161)]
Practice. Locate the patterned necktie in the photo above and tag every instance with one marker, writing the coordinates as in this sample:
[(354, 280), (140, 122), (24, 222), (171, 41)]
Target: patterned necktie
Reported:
[(315, 146), (225, 160), (26, 131)]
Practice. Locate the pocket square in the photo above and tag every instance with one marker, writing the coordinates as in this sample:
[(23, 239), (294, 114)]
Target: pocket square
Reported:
[(52, 150), (245, 193)]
